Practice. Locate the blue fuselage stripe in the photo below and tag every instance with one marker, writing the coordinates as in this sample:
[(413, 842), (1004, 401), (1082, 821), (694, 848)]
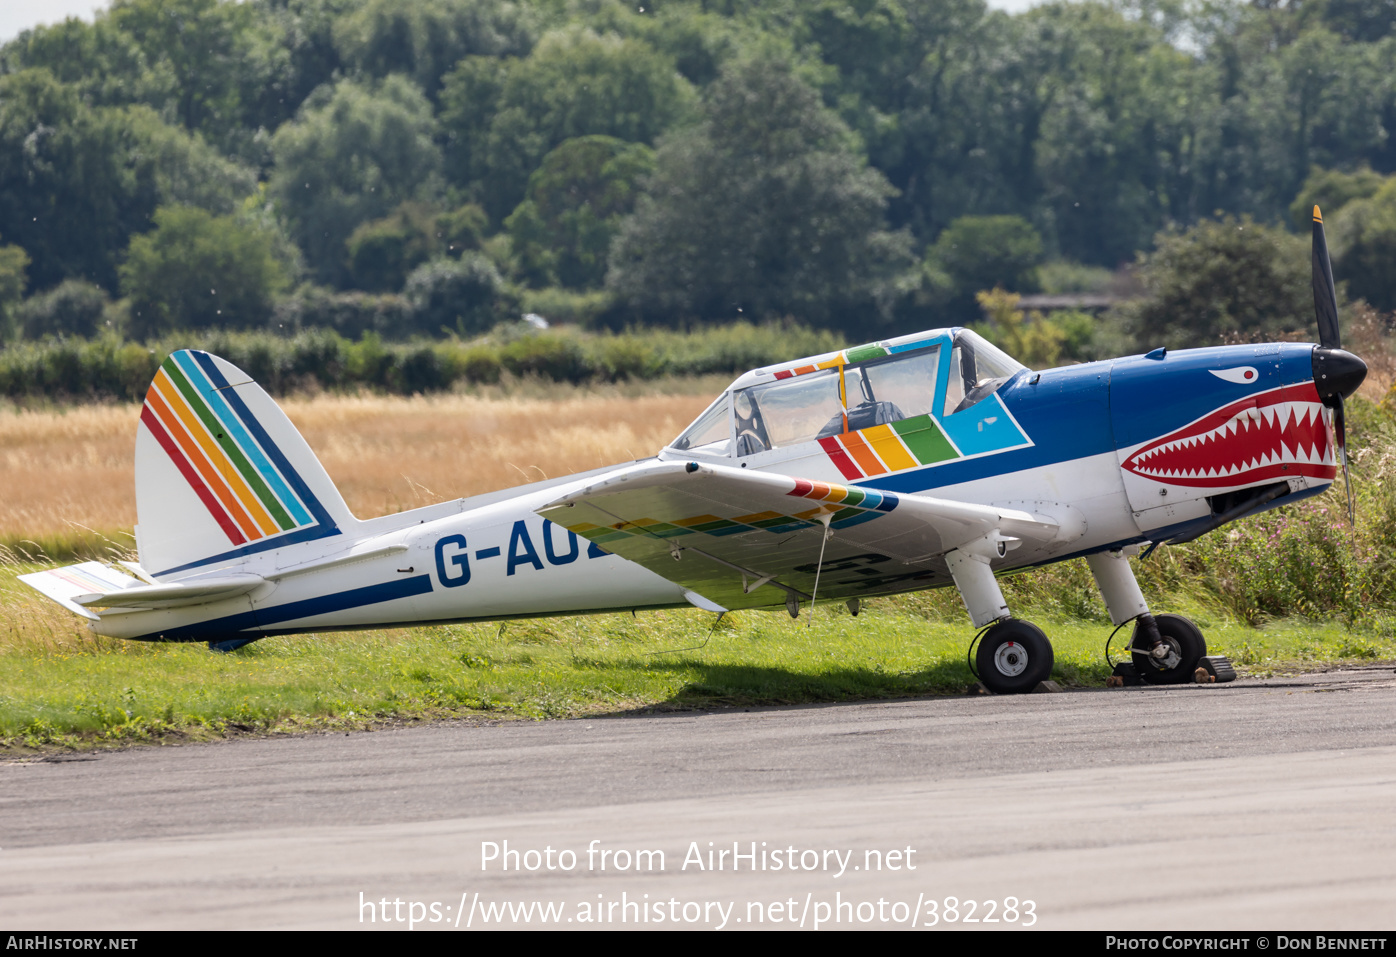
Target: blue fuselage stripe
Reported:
[(293, 611)]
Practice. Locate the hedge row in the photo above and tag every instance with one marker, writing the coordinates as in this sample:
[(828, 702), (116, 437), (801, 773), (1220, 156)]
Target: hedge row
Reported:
[(109, 368)]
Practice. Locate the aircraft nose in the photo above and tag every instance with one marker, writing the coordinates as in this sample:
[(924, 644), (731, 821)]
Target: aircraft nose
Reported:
[(1337, 372)]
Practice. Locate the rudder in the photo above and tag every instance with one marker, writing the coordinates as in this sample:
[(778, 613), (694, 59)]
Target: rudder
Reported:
[(221, 473)]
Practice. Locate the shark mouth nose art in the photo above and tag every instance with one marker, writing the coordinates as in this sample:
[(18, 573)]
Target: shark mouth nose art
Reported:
[(1278, 434)]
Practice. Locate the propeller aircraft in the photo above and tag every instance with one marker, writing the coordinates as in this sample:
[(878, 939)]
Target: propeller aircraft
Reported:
[(917, 462)]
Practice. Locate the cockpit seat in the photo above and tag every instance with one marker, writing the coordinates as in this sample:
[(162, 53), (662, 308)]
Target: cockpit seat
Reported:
[(864, 416)]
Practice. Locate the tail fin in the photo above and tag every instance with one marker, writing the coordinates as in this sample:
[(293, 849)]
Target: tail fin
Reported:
[(221, 473)]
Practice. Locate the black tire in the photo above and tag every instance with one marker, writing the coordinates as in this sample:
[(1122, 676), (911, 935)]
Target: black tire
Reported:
[(1187, 645), (1013, 657)]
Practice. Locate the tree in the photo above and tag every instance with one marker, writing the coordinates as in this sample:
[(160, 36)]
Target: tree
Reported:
[(199, 271), (562, 231), (977, 253), (425, 38), (204, 47), (102, 62), (764, 209), (1221, 277), (353, 154), (383, 251), (502, 118), (72, 308), (1364, 247), (77, 182), (449, 296), (1331, 190), (13, 262)]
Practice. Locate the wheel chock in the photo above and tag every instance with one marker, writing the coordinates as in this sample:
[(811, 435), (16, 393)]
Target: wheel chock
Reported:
[(1047, 687), (1218, 667), (1124, 676)]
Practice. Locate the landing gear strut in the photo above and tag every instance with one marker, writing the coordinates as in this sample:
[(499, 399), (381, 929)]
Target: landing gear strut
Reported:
[(1166, 648), (1014, 656)]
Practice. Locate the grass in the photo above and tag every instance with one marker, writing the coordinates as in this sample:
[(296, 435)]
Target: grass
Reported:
[(62, 687)]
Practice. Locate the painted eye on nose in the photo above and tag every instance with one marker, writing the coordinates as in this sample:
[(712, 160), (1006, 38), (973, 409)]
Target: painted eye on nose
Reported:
[(1241, 374)]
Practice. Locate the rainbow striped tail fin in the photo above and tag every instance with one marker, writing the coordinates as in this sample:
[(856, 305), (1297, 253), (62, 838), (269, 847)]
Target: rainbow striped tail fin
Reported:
[(222, 474)]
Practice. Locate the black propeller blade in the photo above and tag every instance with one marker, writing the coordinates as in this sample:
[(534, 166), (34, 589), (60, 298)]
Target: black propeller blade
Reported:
[(1337, 372), (1325, 294)]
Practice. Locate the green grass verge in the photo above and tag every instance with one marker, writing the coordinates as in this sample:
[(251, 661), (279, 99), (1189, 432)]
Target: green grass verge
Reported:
[(61, 687)]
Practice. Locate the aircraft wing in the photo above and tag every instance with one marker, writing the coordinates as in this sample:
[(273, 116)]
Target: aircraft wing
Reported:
[(748, 539)]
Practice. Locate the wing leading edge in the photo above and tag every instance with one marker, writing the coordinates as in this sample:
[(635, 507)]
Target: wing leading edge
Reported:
[(750, 539)]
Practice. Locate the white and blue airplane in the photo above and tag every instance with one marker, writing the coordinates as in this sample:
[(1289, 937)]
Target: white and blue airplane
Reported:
[(916, 462)]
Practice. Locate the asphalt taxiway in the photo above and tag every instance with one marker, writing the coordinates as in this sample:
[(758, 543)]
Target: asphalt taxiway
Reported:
[(1256, 805)]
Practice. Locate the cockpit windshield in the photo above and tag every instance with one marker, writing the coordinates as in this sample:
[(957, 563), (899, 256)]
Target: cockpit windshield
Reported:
[(711, 432), (977, 369), (879, 390)]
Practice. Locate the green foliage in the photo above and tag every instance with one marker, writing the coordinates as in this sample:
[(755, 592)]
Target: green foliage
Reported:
[(76, 182), (562, 231), (198, 271), (455, 296), (107, 368), (183, 169), (976, 253), (1098, 123), (354, 153), (502, 117), (462, 228), (383, 251), (1032, 339), (203, 47), (1362, 20), (350, 314), (13, 263), (1219, 278), (1363, 246), (1079, 335), (72, 308), (1331, 190), (1060, 276), (425, 38), (566, 306), (764, 208), (102, 61), (73, 369)]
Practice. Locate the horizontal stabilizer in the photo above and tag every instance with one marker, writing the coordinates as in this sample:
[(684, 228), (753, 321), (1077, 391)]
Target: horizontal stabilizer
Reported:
[(65, 585), (94, 586), (145, 597)]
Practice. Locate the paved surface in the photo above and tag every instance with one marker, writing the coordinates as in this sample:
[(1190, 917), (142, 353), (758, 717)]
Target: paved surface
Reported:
[(1261, 805)]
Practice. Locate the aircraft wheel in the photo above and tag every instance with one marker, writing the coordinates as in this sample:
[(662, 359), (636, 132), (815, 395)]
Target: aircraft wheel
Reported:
[(1186, 647), (1013, 657)]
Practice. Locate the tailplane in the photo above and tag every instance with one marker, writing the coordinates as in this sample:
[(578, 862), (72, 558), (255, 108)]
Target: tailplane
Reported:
[(221, 473)]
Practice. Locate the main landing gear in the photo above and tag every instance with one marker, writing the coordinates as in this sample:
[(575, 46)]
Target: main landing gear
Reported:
[(1014, 656)]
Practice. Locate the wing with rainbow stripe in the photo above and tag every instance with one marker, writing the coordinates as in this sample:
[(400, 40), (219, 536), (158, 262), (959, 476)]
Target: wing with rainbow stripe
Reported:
[(723, 532)]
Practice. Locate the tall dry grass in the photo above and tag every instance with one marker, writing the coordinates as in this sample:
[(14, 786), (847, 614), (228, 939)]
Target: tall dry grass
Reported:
[(62, 471)]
